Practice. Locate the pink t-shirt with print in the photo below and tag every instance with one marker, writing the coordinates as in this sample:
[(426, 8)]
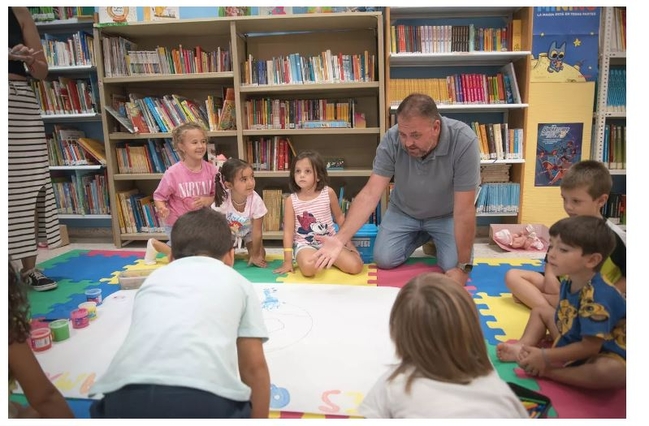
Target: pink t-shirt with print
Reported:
[(241, 222), (179, 186)]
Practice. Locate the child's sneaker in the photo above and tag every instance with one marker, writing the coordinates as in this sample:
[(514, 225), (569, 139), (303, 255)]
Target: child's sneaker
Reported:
[(38, 281), (151, 253)]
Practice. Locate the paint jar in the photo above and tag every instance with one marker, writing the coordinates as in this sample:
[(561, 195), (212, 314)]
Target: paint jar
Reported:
[(60, 330), (94, 295), (91, 307), (79, 318), (41, 339)]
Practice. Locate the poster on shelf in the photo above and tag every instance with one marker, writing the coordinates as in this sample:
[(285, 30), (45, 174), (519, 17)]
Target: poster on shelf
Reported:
[(565, 44), (161, 13), (558, 147), (117, 14)]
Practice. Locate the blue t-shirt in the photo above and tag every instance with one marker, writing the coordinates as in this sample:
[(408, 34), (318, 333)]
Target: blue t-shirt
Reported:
[(598, 309)]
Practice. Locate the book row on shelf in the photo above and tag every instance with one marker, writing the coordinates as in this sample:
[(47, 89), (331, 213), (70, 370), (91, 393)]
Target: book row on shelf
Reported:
[(67, 96), (498, 142), (616, 92), (156, 114), (298, 69), (178, 61), (49, 13), (82, 193), (271, 154), (614, 148), (75, 50), (268, 113), (473, 88), (152, 156), (618, 42), (615, 208), (80, 151), (453, 38), (498, 198)]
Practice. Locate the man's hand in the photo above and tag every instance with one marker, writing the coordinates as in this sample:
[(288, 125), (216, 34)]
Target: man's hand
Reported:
[(328, 253), (458, 275)]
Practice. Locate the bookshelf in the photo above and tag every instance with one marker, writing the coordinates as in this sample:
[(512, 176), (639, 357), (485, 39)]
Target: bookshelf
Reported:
[(69, 109), (609, 133), (439, 50), (254, 40)]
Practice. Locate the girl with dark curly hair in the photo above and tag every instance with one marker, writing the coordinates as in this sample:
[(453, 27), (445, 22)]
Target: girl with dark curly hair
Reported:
[(44, 399)]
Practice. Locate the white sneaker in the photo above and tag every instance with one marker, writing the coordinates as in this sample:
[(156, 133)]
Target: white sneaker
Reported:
[(151, 253)]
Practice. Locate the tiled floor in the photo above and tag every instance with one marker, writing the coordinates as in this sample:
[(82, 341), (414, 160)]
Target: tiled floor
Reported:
[(481, 249)]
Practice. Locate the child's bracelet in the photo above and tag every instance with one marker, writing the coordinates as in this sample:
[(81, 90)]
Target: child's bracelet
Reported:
[(288, 250), (545, 357)]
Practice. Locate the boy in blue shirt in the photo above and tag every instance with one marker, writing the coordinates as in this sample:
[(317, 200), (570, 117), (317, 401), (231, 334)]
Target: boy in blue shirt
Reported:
[(589, 326)]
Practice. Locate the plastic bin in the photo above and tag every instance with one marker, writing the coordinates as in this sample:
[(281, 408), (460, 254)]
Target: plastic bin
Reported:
[(132, 280), (364, 241), (537, 405)]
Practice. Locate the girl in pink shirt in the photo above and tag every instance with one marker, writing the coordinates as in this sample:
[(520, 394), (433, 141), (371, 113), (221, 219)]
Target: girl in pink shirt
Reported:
[(310, 211), (244, 209), (187, 185)]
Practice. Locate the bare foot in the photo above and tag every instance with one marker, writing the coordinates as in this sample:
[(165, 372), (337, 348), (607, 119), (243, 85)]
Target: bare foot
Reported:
[(516, 299), (508, 352)]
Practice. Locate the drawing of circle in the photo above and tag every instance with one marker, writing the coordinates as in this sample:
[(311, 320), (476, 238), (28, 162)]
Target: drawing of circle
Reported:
[(287, 324)]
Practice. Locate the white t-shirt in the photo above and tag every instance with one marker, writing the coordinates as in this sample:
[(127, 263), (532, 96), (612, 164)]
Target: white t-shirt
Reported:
[(187, 317), (485, 397)]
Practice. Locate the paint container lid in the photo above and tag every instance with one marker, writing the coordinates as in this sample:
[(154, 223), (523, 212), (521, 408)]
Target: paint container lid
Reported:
[(88, 305), (93, 292), (39, 333), (79, 313)]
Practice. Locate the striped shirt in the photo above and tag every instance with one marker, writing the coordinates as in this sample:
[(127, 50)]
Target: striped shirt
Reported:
[(312, 218)]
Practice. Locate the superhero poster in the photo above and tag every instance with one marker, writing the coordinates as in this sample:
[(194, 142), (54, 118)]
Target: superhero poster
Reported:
[(558, 147)]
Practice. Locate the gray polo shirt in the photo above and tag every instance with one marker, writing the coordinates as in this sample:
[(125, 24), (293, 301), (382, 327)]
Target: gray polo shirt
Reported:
[(424, 188)]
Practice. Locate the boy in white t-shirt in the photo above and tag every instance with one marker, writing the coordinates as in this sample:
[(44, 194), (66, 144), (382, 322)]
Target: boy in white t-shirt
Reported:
[(194, 346)]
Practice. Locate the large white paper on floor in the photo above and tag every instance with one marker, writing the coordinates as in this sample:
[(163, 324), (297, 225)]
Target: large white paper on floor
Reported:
[(328, 344)]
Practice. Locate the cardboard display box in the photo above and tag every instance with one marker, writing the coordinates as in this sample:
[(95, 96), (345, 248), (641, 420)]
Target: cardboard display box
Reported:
[(65, 239), (542, 231)]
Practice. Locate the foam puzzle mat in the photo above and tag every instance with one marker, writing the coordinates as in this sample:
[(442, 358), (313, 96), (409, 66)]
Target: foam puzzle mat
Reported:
[(501, 318)]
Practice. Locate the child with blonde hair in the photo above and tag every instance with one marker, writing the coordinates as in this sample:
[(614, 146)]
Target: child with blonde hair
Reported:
[(185, 186), (244, 209), (444, 370), (589, 326), (308, 214)]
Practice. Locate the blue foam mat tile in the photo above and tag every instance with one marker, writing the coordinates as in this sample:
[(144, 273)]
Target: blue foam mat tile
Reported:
[(80, 269)]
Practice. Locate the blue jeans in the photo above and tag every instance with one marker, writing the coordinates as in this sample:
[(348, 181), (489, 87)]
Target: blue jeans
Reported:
[(400, 235), (157, 401)]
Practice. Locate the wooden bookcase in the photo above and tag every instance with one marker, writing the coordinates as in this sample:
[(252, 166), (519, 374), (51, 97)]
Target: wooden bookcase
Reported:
[(415, 64), (609, 133), (88, 122), (261, 38)]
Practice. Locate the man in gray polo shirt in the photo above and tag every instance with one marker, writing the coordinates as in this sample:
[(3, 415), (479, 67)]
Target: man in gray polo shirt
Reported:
[(435, 162)]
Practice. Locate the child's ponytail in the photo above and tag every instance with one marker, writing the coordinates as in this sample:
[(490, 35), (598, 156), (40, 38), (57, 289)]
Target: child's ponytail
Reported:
[(220, 194)]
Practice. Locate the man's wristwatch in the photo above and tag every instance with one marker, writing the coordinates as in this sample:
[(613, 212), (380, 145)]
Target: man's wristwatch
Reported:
[(464, 267)]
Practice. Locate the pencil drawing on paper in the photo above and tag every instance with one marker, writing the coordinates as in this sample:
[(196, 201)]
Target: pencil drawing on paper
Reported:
[(287, 324)]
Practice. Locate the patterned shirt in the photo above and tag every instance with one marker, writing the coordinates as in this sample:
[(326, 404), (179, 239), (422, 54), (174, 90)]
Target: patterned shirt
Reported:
[(312, 218), (598, 309)]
